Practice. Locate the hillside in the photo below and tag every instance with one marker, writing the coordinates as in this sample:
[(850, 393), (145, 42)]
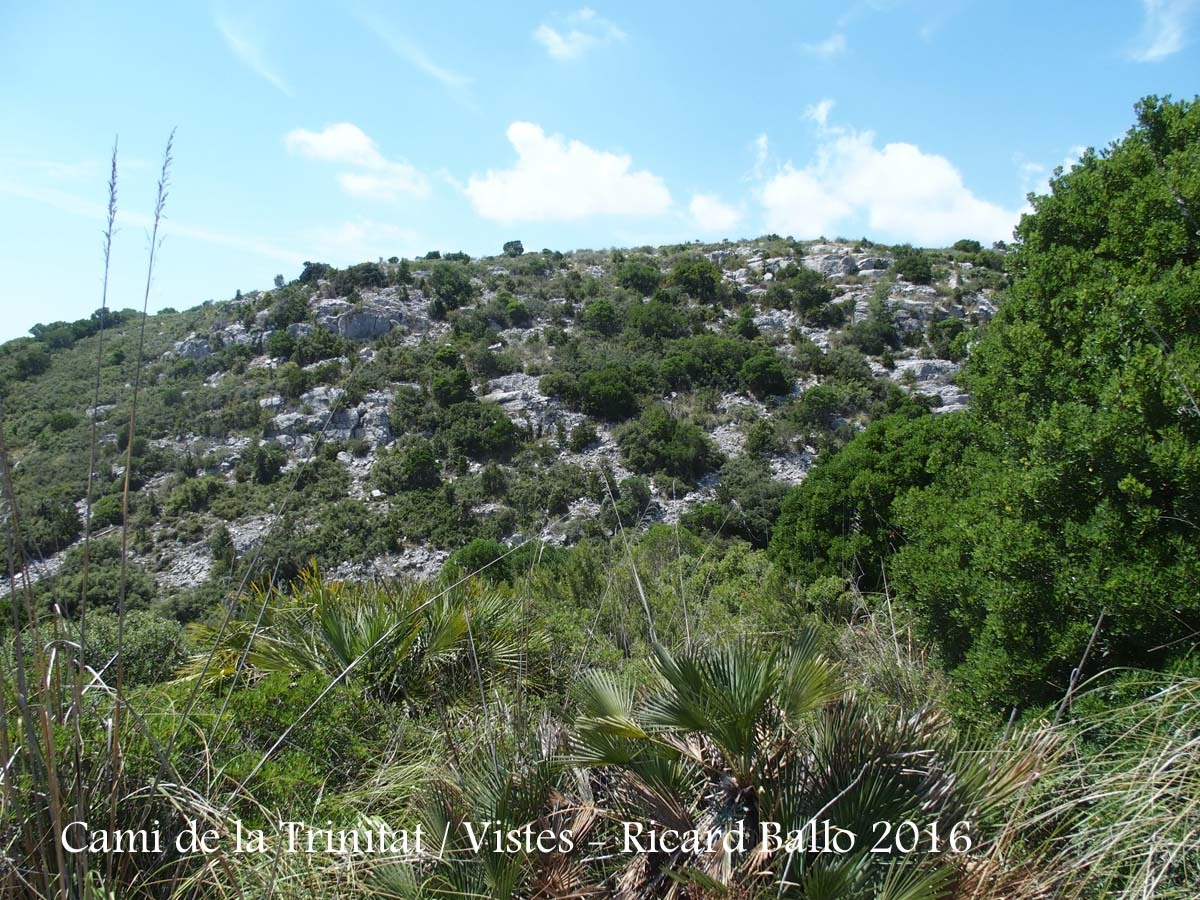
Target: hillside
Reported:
[(431, 402), (610, 569)]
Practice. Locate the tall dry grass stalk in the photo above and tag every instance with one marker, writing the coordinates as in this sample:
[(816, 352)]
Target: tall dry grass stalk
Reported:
[(64, 730)]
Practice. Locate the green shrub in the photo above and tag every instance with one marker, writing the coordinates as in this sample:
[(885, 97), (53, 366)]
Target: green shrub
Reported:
[(451, 284), (261, 463), (763, 375), (607, 393), (152, 647), (482, 556), (583, 436), (912, 264), (658, 442), (451, 386), (479, 430), (639, 274), (409, 468), (699, 277), (601, 317), (194, 495)]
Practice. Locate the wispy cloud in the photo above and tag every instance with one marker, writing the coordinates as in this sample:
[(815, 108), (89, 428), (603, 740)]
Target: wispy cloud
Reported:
[(834, 45), (856, 11), (581, 32), (761, 148), (1164, 30), (413, 53), (361, 239), (1035, 176), (374, 175), (819, 112), (246, 48), (87, 209)]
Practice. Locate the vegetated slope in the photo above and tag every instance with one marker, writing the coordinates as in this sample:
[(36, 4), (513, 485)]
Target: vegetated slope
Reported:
[(377, 418)]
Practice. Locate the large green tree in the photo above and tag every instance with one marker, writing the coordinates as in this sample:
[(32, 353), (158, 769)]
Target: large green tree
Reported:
[(1073, 498)]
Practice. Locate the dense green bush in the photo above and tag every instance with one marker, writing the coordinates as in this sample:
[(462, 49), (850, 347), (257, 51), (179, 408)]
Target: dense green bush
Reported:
[(479, 430), (801, 289), (763, 375), (655, 319), (705, 360), (104, 580), (49, 524), (698, 277), (451, 386), (607, 393), (658, 442), (194, 495), (482, 556), (407, 468), (912, 264), (451, 284), (601, 317), (639, 274), (261, 463), (152, 646)]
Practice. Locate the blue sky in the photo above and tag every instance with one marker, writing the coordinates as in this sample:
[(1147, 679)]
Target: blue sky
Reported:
[(348, 132)]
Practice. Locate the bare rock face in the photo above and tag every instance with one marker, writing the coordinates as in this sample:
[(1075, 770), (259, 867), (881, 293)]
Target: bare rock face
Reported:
[(792, 468), (327, 313), (193, 347), (364, 325), (873, 264), (236, 333), (354, 323), (189, 566), (523, 402), (321, 414), (374, 421), (933, 377), (294, 425), (832, 264)]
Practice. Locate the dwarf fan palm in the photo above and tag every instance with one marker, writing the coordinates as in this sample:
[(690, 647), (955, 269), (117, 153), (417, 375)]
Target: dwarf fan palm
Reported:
[(404, 640), (738, 738)]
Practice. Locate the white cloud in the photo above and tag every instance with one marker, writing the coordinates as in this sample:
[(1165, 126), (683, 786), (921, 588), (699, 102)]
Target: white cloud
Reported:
[(897, 190), (834, 45), (583, 31), (761, 148), (1164, 30), (710, 214), (1035, 176), (248, 52), (349, 145), (558, 180), (819, 112), (414, 54)]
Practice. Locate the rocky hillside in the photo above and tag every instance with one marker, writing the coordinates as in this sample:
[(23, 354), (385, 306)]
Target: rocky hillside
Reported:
[(381, 417)]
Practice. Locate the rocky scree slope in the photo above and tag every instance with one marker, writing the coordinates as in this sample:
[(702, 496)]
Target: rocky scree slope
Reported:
[(380, 417)]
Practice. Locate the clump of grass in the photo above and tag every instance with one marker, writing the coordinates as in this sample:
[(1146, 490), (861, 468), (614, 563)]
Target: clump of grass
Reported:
[(1123, 820)]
